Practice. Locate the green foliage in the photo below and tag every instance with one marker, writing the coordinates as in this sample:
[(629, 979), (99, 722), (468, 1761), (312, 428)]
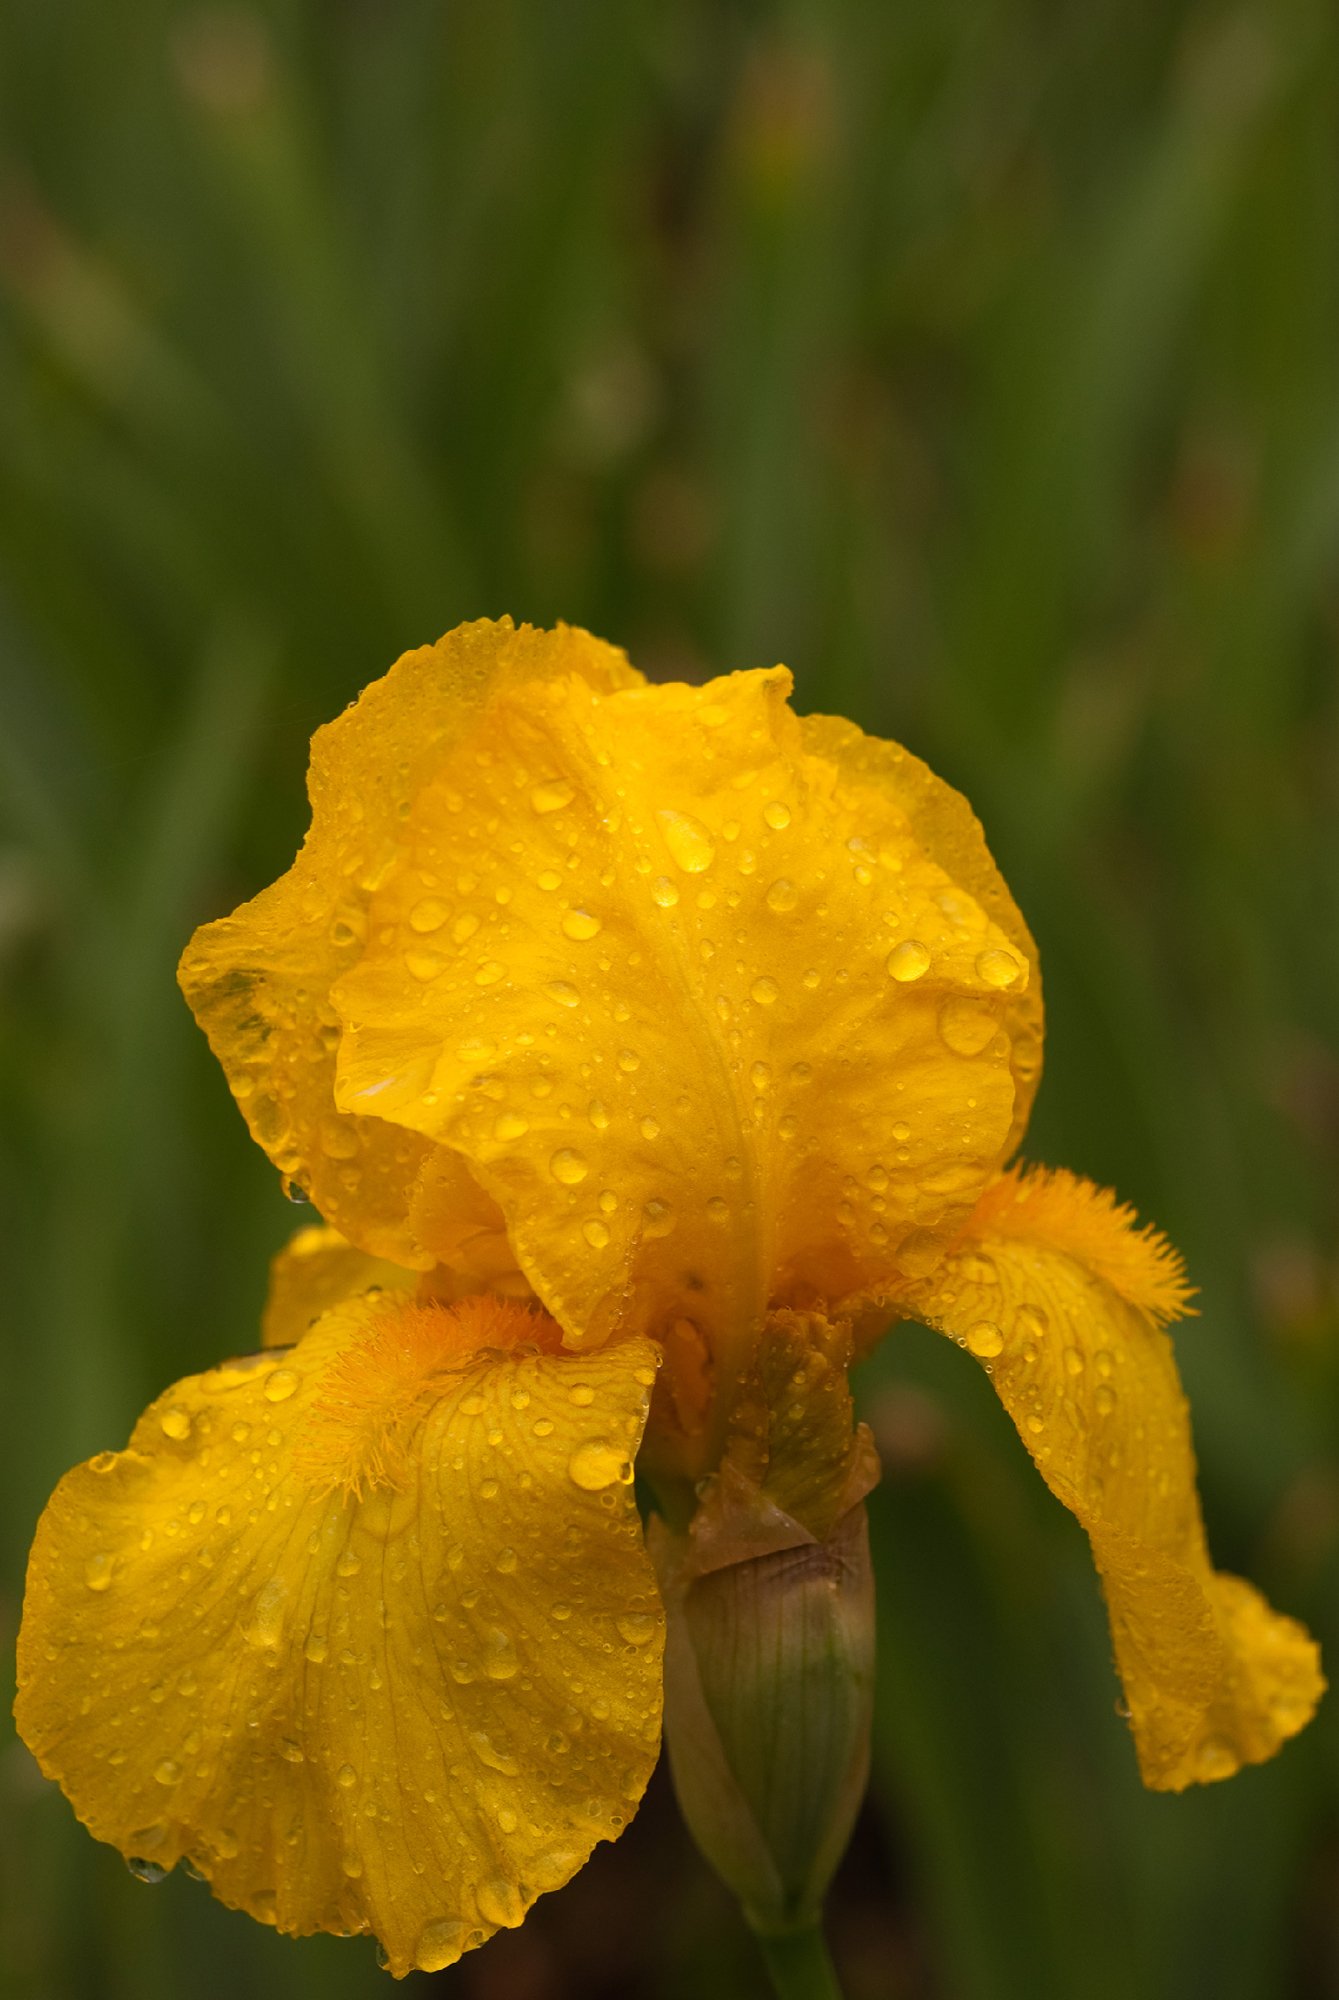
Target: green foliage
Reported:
[(977, 359)]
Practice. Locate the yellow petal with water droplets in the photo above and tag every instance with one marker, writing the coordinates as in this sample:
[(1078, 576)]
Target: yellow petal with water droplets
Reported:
[(1058, 1292), (406, 1707), (695, 1043), (948, 829), (259, 980), (316, 1269)]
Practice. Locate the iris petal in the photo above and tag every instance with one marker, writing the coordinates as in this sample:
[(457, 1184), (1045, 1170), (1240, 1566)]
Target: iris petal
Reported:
[(366, 1631), (1060, 1294), (707, 1018), (259, 981)]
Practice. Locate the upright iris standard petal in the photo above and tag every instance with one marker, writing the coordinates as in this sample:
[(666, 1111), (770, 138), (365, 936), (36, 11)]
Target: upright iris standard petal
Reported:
[(365, 1631), (704, 1013), (1055, 1289), (259, 981), (946, 827)]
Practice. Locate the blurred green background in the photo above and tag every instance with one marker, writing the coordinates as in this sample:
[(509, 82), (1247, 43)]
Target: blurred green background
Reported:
[(980, 360)]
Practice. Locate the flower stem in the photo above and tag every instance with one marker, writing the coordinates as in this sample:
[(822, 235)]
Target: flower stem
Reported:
[(800, 1967)]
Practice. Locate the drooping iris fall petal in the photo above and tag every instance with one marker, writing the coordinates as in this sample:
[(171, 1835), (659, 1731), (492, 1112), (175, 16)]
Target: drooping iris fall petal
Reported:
[(1063, 1297), (704, 1013), (366, 1631), (259, 981)]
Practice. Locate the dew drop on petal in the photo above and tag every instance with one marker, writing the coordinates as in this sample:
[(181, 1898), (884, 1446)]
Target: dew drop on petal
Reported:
[(281, 1384), (552, 795), (563, 992), (998, 968), (984, 1339), (908, 961), (777, 815), (688, 841), (764, 991), (637, 1627), (568, 1166), (500, 1903), (175, 1422), (440, 1944), (664, 892), (428, 915), (597, 1464), (510, 1125), (98, 1571), (782, 896), (580, 925)]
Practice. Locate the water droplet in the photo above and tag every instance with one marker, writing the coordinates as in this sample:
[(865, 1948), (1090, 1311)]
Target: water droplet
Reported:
[(568, 1166), (1216, 1758), (168, 1772), (549, 879), (1036, 1424), (629, 1060), (637, 1627), (441, 1942), (1104, 1399), (281, 1384), (658, 1218), (505, 1561), (552, 795), (348, 1564), (776, 815), (764, 991), (688, 841), (581, 1394), (598, 1113), (500, 1661), (175, 1422), (98, 1571), (782, 896), (563, 992), (596, 1234), (965, 1026), (580, 925), (510, 1125), (1073, 1361), (429, 915), (146, 1871), (907, 961), (315, 1649), (291, 1752), (264, 1627), (984, 1339), (664, 892), (490, 972), (346, 1777), (1032, 1322), (424, 965), (998, 968), (463, 929), (597, 1464), (500, 1903)]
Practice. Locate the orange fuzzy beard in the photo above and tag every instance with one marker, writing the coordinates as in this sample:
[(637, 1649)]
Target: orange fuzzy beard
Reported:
[(373, 1393), (1089, 1222)]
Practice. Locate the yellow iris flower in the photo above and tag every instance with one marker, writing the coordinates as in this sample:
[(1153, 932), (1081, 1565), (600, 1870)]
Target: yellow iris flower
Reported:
[(646, 1050)]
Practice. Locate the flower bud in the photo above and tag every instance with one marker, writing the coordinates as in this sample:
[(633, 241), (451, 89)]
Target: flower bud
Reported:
[(769, 1673)]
